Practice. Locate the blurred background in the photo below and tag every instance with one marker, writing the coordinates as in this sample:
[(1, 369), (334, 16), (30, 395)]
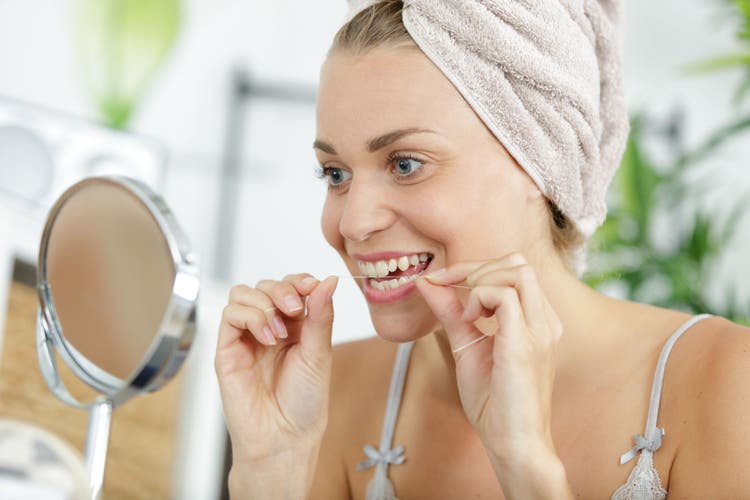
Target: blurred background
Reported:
[(212, 104)]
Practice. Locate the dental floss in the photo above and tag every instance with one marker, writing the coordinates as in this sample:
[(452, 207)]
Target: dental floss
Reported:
[(457, 349), (370, 277), (469, 344)]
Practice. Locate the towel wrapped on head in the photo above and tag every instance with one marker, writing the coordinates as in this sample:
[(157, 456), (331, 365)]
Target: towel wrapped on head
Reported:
[(545, 77)]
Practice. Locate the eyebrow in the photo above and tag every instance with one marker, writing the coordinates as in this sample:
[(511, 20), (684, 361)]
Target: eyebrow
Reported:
[(377, 142)]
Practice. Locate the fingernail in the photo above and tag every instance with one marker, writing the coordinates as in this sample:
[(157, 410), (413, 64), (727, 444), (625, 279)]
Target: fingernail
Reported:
[(292, 303), (270, 340), (278, 325), (309, 281)]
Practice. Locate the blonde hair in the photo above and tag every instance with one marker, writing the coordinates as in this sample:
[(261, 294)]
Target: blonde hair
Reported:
[(381, 24)]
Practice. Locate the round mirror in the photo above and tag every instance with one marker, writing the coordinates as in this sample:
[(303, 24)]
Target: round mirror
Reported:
[(118, 287)]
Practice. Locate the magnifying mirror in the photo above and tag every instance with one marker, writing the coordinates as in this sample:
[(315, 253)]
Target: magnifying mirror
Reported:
[(118, 286)]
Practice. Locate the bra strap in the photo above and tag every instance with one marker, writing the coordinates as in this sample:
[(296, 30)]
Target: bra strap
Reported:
[(651, 439), (386, 455)]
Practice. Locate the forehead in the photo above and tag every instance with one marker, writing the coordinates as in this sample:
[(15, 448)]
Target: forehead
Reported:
[(383, 89)]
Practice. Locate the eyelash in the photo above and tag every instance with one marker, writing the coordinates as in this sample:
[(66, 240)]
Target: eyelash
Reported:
[(322, 172)]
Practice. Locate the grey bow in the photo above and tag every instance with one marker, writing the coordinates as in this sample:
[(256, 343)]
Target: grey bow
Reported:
[(394, 456), (652, 443)]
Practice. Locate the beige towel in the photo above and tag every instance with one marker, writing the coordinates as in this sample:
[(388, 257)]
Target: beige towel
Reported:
[(545, 77)]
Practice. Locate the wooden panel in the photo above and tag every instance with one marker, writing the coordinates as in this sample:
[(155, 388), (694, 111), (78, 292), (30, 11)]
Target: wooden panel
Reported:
[(141, 448)]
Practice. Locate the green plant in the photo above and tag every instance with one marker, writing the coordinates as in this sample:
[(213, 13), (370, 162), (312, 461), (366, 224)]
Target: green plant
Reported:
[(625, 248), (124, 42), (665, 270), (739, 12)]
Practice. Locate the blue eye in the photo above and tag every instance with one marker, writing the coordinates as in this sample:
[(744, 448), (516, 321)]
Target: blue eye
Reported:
[(407, 166), (336, 176)]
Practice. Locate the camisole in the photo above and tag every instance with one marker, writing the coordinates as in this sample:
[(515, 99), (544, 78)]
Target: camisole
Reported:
[(642, 484)]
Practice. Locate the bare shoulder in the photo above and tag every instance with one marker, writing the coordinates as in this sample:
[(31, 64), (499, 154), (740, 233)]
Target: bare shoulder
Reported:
[(360, 369), (710, 461), (349, 356)]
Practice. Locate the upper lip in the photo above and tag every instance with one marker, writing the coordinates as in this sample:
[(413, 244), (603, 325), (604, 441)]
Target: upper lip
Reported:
[(376, 256)]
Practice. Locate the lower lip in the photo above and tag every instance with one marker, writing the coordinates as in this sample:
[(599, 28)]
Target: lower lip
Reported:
[(390, 295)]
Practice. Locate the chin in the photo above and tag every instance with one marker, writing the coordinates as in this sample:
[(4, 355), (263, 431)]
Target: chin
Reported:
[(402, 328)]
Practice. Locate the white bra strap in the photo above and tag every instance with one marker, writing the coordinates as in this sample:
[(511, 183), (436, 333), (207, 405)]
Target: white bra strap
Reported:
[(398, 378), (651, 438), (653, 410), (384, 456)]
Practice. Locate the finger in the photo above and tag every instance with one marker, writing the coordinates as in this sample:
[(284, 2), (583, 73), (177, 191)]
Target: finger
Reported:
[(244, 295), (447, 308), (458, 272), (503, 301), (315, 337), (523, 279), (474, 309), (248, 296), (237, 320), (286, 298), (304, 283)]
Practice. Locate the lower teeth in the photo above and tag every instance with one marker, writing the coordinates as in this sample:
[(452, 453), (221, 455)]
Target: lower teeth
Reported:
[(393, 283)]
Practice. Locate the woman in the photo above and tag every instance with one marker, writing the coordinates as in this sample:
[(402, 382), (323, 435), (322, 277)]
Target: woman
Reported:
[(467, 147)]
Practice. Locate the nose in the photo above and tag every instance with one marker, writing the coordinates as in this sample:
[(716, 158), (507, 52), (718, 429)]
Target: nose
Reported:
[(366, 211)]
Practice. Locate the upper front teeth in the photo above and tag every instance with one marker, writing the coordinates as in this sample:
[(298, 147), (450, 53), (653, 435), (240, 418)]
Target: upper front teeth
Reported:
[(381, 268), (403, 263)]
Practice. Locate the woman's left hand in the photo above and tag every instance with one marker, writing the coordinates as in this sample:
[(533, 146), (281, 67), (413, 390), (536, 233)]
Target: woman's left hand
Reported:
[(505, 381)]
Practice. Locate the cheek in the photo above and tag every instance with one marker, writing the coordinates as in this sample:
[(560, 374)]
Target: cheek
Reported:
[(472, 218)]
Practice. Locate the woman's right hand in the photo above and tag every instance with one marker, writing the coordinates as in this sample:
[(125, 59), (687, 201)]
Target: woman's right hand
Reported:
[(273, 363)]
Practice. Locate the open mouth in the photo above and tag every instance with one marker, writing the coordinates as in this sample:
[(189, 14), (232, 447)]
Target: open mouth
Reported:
[(389, 274)]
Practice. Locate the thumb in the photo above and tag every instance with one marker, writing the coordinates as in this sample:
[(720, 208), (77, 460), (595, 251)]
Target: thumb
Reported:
[(315, 335), (448, 309)]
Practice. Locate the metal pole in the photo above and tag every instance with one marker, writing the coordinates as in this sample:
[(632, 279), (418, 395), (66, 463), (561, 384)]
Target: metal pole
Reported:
[(230, 173), (97, 440), (242, 90)]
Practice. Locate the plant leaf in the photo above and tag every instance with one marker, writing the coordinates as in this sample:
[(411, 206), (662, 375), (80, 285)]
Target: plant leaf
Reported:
[(715, 64), (123, 43), (637, 180)]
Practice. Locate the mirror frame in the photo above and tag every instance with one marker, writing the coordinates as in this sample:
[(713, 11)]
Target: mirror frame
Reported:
[(177, 329)]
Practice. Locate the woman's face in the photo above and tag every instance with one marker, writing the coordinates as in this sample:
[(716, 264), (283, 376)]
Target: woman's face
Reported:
[(412, 171)]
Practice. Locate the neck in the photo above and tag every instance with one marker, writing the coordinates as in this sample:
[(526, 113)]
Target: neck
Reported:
[(582, 311)]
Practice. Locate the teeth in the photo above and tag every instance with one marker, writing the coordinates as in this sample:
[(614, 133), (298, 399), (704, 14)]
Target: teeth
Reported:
[(391, 284), (381, 268), (403, 263), (370, 269)]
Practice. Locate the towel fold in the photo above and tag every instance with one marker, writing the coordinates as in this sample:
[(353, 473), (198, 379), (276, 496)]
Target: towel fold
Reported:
[(545, 77)]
